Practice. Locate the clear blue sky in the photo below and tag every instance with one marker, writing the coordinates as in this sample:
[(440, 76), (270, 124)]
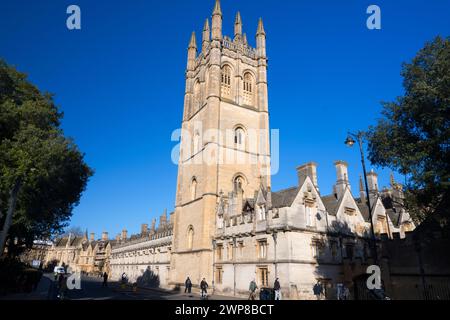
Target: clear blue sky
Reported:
[(120, 83)]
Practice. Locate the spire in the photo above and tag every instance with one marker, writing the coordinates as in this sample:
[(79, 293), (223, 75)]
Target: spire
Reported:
[(217, 10), (206, 28), (260, 30), (217, 22), (205, 36), (193, 41), (238, 25)]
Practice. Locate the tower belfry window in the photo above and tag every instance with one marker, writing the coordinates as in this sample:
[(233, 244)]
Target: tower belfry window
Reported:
[(248, 89), (226, 82), (197, 98)]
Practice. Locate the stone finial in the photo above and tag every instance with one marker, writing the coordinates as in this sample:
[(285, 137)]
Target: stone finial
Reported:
[(206, 35), (193, 41), (238, 25), (260, 31), (217, 9)]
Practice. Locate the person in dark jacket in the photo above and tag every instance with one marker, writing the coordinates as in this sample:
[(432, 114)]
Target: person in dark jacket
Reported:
[(188, 285), (105, 279), (277, 289), (204, 288), (318, 290)]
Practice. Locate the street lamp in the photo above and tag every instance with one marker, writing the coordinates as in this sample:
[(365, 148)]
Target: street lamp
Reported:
[(214, 242), (350, 142), (275, 237)]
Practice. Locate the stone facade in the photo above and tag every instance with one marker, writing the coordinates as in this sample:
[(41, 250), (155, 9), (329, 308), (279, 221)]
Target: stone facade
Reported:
[(80, 254)]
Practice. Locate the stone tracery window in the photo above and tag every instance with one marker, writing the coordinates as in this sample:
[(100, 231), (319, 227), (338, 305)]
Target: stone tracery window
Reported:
[(197, 96), (226, 82), (249, 89)]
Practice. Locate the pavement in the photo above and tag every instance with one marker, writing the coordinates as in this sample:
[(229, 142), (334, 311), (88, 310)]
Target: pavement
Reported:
[(93, 289)]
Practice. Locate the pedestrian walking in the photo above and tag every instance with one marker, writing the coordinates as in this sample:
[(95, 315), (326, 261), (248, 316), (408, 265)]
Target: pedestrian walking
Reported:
[(318, 290), (188, 285), (277, 289), (204, 287), (252, 288), (62, 286), (105, 280)]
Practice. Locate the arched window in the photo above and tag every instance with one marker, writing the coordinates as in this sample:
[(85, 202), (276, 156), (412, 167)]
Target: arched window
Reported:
[(197, 98), (249, 89), (238, 183), (239, 138), (190, 238), (194, 189), (226, 82)]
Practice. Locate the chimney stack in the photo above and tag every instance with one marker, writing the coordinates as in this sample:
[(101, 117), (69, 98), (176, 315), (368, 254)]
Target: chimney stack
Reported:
[(372, 180), (118, 238), (92, 236), (105, 236), (144, 229), (124, 234), (307, 170), (342, 182)]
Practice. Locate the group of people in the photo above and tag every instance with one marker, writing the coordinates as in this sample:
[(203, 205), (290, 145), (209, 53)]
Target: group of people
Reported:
[(203, 287), (343, 293), (252, 288)]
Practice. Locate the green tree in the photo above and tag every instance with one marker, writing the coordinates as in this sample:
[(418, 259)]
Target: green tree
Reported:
[(413, 137), (39, 167)]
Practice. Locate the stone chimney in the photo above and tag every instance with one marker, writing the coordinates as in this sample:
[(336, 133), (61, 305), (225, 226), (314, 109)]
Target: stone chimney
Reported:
[(118, 238), (105, 236), (153, 228), (144, 229), (372, 180), (307, 170), (124, 234), (362, 190), (163, 219), (92, 236), (342, 182)]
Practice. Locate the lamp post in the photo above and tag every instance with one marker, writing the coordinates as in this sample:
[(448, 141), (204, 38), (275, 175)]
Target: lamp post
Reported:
[(214, 242), (275, 237), (350, 142), (234, 265)]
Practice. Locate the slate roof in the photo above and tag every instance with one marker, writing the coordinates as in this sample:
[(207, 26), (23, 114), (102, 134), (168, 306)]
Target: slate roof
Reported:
[(331, 204), (284, 198)]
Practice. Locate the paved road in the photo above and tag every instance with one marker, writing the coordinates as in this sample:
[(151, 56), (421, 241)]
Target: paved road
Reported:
[(93, 289)]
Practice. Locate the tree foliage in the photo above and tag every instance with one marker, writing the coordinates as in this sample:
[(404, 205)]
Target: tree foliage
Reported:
[(413, 137), (33, 148)]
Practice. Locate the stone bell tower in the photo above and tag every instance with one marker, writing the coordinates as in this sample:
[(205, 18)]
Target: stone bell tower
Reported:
[(225, 138)]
